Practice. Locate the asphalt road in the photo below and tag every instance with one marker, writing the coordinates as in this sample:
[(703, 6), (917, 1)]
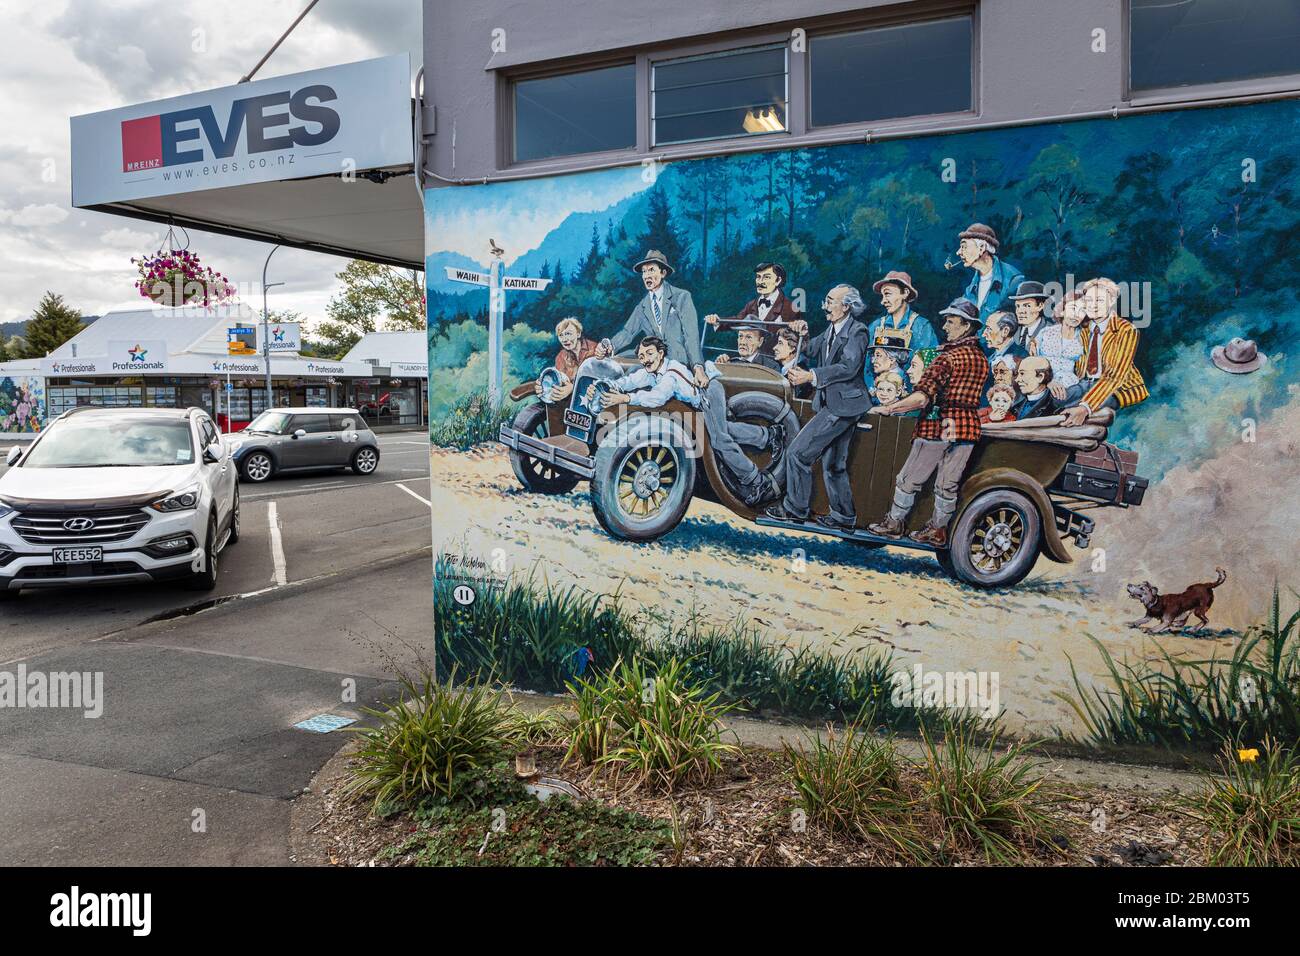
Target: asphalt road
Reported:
[(195, 756)]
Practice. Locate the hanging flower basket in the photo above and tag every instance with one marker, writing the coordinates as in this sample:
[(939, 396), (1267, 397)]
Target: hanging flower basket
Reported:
[(175, 277)]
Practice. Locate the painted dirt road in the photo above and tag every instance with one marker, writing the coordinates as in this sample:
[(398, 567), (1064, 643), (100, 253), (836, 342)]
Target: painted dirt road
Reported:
[(842, 598)]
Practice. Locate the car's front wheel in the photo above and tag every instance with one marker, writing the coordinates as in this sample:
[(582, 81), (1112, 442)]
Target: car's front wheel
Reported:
[(644, 478), (365, 461), (257, 467), (533, 473), (206, 578), (234, 520), (995, 540)]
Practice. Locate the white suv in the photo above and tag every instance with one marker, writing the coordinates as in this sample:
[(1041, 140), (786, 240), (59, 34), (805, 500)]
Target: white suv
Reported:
[(107, 495)]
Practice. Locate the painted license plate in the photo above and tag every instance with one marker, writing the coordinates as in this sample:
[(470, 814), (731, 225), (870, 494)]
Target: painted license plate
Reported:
[(78, 555), (577, 419)]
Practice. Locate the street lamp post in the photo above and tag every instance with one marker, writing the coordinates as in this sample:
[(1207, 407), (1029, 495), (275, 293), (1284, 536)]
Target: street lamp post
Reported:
[(266, 327)]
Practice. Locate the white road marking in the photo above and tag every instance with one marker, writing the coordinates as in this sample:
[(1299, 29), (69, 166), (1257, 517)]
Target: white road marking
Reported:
[(289, 492), (325, 484), (423, 501), (277, 546)]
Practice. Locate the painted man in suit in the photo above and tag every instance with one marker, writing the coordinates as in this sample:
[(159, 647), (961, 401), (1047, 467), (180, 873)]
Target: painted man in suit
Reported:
[(994, 281), (770, 303), (838, 357), (751, 349), (1106, 369), (1033, 376), (666, 312)]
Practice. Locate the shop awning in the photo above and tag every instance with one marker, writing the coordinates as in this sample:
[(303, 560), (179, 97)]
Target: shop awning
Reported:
[(322, 160)]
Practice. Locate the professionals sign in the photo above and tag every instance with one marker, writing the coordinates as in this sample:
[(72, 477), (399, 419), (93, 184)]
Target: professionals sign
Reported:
[(283, 337), (332, 121), (126, 357)]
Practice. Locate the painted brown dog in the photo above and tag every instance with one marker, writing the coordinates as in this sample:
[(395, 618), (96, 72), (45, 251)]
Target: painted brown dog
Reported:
[(1172, 610)]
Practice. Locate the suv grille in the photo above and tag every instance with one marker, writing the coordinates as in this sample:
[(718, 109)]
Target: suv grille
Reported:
[(48, 527)]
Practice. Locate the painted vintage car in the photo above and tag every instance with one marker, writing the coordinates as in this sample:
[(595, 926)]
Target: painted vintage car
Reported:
[(1025, 492)]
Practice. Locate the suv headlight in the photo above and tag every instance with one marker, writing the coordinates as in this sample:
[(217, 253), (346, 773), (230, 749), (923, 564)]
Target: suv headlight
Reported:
[(5, 510), (186, 500)]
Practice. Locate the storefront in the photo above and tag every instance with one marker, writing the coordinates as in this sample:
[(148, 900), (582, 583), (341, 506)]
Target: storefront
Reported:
[(397, 393), (172, 358)]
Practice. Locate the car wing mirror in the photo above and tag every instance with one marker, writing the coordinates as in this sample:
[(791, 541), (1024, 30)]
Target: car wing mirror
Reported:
[(14, 454), (212, 454), (300, 433)]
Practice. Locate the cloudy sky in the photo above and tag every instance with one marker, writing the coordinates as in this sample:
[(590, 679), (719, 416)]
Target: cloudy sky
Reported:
[(62, 58)]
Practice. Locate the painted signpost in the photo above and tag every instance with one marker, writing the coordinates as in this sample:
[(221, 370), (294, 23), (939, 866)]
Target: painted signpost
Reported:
[(497, 283)]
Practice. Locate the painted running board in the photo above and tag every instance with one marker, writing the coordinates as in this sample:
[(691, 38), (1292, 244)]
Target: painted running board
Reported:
[(863, 536)]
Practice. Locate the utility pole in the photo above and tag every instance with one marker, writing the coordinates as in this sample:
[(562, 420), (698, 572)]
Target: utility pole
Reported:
[(266, 328)]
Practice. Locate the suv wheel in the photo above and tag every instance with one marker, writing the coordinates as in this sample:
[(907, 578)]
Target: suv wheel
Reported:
[(644, 478), (206, 579), (234, 520), (365, 461), (995, 540), (257, 467)]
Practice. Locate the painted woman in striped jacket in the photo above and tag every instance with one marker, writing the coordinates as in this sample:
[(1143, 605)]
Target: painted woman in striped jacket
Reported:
[(1106, 369)]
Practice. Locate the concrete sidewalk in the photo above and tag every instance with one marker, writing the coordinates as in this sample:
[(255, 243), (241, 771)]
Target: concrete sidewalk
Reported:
[(196, 758)]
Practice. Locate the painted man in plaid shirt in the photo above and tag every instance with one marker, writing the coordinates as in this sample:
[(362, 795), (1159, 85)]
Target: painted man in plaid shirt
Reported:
[(942, 445)]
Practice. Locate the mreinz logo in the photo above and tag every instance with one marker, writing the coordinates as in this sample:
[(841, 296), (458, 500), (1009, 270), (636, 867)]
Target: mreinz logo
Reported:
[(152, 142)]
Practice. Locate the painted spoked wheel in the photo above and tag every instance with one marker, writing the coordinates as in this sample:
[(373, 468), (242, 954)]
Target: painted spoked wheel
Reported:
[(643, 481), (234, 520), (365, 461), (258, 467), (995, 540), (533, 473)]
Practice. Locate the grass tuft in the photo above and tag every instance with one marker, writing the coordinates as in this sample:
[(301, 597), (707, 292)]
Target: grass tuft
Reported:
[(1251, 813), (472, 421), (652, 724)]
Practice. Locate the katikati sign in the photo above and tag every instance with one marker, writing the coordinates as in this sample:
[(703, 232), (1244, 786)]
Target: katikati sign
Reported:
[(331, 121)]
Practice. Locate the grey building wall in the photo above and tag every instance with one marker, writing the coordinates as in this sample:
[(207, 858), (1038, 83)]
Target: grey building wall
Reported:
[(1034, 60)]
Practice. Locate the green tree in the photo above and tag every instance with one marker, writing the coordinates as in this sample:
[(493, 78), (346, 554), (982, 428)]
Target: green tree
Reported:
[(52, 324), (374, 297)]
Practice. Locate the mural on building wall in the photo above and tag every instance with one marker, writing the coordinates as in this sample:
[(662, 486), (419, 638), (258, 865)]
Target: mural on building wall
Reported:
[(22, 404), (1002, 402)]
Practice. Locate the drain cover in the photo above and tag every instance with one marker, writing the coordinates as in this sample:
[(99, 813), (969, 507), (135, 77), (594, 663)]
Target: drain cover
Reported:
[(324, 723)]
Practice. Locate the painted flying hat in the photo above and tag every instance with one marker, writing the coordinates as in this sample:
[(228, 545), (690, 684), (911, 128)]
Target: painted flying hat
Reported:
[(656, 257), (1030, 290), (977, 230), (898, 278), (1238, 356), (964, 308)]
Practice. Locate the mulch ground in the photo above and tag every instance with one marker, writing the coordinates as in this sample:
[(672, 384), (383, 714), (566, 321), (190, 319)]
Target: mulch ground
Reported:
[(744, 817)]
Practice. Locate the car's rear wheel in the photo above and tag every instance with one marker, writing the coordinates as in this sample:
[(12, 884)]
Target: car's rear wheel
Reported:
[(995, 540), (644, 477), (257, 467), (206, 579), (365, 460), (533, 473)]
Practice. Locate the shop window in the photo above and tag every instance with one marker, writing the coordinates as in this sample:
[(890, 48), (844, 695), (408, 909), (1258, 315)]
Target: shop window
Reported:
[(716, 95), (914, 69), (1211, 41), (588, 112)]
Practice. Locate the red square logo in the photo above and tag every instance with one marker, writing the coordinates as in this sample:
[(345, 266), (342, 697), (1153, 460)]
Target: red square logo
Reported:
[(141, 144)]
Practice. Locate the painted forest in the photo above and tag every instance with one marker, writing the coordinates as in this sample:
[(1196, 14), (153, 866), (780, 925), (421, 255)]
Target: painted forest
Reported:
[(1196, 210)]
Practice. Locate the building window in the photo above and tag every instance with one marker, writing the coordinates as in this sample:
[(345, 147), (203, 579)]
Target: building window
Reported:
[(891, 72), (716, 95), (587, 112), (1187, 42)]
